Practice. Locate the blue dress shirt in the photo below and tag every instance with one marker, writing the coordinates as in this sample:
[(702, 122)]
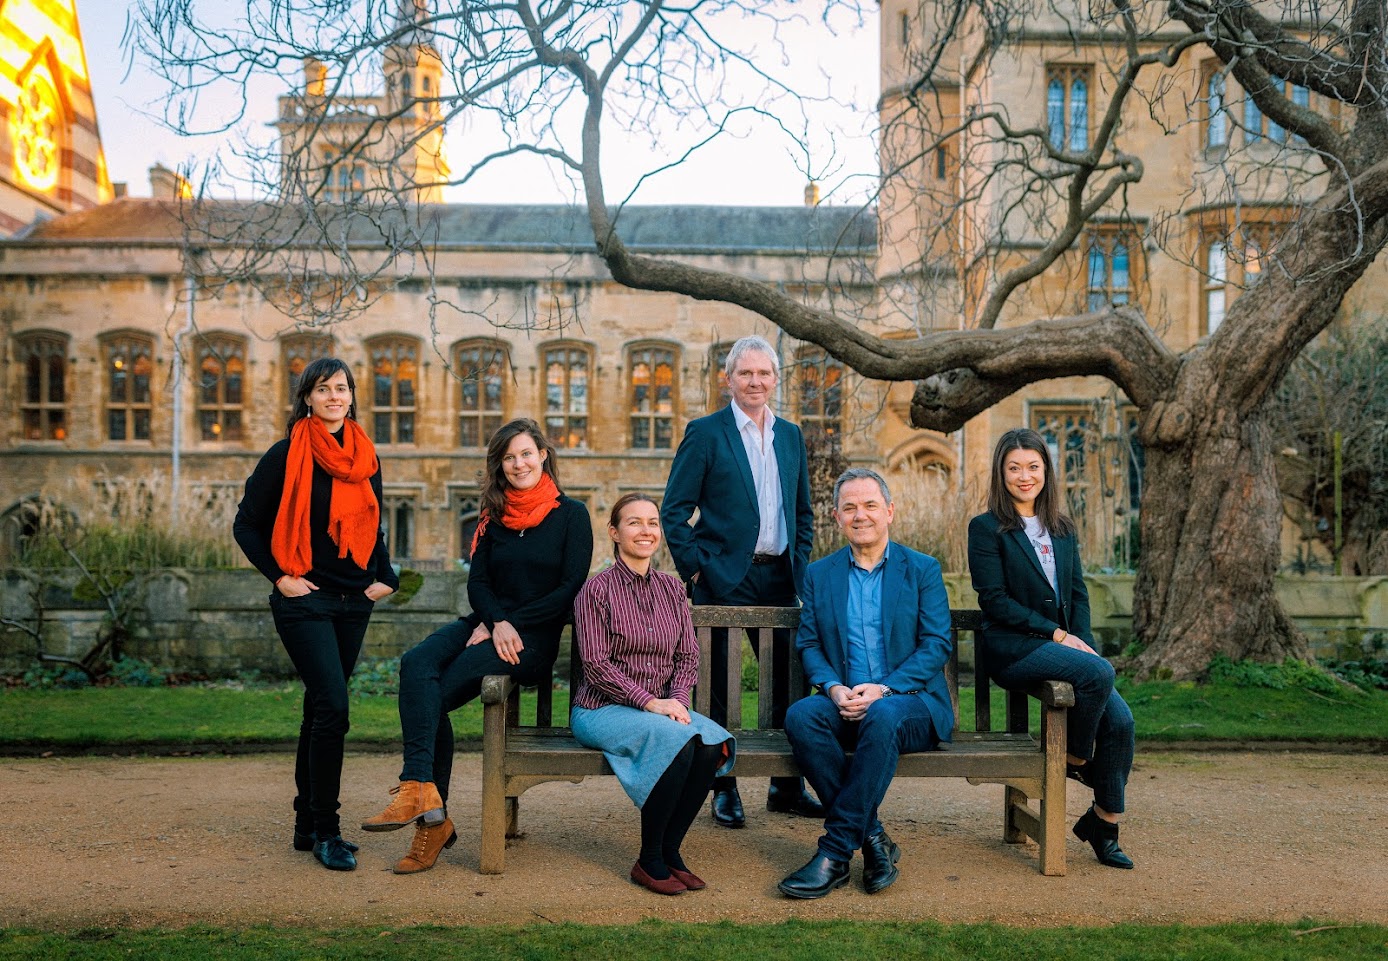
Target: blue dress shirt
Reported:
[(866, 645)]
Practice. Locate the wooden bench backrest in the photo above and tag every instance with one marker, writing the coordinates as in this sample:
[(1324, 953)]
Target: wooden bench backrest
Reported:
[(764, 620)]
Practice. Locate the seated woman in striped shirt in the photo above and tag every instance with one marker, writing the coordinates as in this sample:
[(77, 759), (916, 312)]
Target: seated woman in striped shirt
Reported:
[(640, 660)]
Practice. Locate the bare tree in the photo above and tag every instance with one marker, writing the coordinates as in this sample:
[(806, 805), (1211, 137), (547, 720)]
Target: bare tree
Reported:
[(986, 245)]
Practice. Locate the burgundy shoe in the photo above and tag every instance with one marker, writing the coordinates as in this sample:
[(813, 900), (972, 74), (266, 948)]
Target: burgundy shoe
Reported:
[(671, 885), (689, 879)]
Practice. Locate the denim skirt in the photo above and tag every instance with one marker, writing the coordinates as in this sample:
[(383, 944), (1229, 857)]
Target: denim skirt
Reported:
[(640, 745)]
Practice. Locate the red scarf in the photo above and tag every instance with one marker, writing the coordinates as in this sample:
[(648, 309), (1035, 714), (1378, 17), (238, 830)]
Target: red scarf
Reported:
[(354, 516), (524, 509)]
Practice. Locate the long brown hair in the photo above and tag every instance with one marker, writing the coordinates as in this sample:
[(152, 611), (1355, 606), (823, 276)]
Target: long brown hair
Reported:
[(1049, 508), (614, 519), (494, 479), (314, 374)]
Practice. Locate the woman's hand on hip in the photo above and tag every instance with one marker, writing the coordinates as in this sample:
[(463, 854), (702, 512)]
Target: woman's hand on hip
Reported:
[(670, 707), (507, 641), (291, 586), (376, 590)]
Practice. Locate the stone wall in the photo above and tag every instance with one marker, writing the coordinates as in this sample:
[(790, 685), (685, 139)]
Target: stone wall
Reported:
[(218, 622)]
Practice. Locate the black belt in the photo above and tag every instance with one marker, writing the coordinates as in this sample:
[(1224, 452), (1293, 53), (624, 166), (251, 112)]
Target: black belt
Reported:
[(767, 558)]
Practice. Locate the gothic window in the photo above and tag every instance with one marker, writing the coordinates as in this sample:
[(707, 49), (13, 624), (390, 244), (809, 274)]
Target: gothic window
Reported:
[(482, 368), (1216, 278), (819, 393), (719, 396), (129, 365), (394, 380), (567, 378), (344, 177), (43, 407), (1216, 115), (38, 129), (1072, 436), (298, 351), (651, 376), (221, 376), (1067, 105), (1109, 269), (397, 523), (1257, 125)]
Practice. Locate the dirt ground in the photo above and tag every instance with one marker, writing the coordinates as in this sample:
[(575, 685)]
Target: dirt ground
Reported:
[(173, 841)]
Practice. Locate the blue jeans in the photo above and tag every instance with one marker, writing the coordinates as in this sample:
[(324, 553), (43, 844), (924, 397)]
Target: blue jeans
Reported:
[(440, 674), (1100, 725), (852, 789), (322, 632)]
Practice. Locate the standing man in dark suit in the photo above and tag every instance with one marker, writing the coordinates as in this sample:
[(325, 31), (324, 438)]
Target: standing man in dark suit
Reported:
[(874, 639), (744, 470)]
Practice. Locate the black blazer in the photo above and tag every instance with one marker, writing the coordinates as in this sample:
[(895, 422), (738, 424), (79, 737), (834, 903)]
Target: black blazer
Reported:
[(1020, 610)]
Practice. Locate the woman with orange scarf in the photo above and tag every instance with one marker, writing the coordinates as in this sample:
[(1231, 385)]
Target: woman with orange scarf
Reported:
[(530, 556), (310, 521)]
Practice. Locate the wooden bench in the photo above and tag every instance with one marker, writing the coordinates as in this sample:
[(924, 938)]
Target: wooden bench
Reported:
[(516, 758)]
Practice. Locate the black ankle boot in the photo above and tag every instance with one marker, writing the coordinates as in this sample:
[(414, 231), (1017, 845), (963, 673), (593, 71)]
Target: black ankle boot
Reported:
[(1103, 838)]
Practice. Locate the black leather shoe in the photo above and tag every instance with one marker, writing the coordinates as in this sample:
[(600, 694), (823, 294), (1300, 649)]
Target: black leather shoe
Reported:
[(1078, 772), (800, 802), (1103, 838), (304, 841), (335, 854), (880, 855), (815, 879), (727, 809)]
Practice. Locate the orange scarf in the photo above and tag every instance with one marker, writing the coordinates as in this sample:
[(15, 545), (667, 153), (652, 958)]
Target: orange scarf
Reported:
[(524, 509), (354, 516)]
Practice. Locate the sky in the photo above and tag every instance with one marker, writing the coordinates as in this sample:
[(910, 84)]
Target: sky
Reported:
[(129, 99)]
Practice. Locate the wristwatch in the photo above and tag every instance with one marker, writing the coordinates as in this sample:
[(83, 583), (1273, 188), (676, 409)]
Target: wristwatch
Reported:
[(887, 691)]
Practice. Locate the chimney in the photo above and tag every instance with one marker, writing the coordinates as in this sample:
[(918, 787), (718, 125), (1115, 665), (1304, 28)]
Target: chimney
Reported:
[(165, 184), (119, 189), (315, 77), (811, 194)]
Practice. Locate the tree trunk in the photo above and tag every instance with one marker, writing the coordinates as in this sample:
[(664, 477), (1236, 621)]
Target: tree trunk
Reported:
[(1211, 525)]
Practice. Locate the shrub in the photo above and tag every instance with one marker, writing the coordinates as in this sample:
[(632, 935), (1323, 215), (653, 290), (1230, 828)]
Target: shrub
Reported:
[(135, 672), (1290, 673), (376, 675)]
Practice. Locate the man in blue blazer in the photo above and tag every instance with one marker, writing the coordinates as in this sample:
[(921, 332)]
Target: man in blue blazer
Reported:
[(874, 638), (744, 470)]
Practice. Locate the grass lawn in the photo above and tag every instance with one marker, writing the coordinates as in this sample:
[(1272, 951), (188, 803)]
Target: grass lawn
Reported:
[(798, 940), (130, 717)]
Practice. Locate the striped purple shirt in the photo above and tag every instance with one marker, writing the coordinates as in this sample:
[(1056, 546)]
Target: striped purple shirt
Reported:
[(635, 638)]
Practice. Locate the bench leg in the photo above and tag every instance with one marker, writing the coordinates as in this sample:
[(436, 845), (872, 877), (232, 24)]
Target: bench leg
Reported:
[(1052, 839), (513, 817), (1012, 833), (493, 858)]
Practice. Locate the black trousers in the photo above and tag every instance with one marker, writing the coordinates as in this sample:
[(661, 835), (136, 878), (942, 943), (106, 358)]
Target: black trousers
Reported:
[(322, 632), (766, 585)]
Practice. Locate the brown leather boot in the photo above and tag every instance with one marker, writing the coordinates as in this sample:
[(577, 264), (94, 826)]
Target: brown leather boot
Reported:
[(424, 849), (414, 801)]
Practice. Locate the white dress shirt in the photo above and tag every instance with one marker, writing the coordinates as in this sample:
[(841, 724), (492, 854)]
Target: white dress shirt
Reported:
[(766, 480)]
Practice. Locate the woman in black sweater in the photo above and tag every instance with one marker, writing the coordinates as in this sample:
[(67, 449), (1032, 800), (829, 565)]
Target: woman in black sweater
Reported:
[(530, 556), (310, 522)]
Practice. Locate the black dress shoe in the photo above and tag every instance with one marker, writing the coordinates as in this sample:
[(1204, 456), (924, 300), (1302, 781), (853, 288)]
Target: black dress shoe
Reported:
[(815, 879), (1103, 838), (800, 802), (727, 809), (1078, 772), (335, 854), (880, 854), (305, 840)]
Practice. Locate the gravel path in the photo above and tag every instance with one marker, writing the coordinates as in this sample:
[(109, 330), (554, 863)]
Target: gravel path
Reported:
[(173, 841)]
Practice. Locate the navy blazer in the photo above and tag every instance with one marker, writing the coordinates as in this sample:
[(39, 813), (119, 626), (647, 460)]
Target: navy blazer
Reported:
[(1020, 609), (711, 473), (915, 621)]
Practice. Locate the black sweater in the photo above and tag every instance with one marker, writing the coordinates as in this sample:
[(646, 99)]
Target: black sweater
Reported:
[(255, 523), (530, 578)]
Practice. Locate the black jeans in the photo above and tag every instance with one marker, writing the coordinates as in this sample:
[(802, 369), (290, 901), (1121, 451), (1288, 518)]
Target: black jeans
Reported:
[(440, 674), (322, 632), (766, 585)]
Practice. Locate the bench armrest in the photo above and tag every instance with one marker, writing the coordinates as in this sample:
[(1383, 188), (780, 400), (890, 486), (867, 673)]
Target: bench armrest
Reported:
[(1051, 693), (496, 688)]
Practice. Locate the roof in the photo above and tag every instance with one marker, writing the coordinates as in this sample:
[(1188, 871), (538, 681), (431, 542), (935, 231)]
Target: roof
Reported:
[(668, 229)]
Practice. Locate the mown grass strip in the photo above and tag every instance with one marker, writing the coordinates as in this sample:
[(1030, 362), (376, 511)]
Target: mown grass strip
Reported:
[(797, 940), (131, 717)]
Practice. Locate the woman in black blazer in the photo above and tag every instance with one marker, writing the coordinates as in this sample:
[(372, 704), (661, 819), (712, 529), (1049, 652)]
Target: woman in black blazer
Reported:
[(1026, 571)]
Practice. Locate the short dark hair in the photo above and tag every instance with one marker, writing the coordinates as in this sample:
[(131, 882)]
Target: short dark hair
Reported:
[(861, 473), (1049, 507), (314, 374)]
